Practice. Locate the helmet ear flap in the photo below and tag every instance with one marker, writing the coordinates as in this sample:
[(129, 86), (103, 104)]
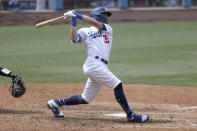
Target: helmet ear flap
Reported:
[(103, 19)]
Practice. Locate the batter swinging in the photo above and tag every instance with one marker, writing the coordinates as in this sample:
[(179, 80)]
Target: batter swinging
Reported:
[(98, 42)]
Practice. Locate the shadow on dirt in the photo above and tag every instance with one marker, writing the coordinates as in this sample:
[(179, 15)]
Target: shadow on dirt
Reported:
[(12, 111), (152, 121), (86, 119), (106, 120)]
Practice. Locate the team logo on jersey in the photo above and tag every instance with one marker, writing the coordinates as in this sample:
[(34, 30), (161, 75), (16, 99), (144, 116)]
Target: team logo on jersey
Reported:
[(95, 34)]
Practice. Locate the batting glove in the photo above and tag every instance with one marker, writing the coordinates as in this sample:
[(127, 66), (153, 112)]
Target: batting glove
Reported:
[(69, 14)]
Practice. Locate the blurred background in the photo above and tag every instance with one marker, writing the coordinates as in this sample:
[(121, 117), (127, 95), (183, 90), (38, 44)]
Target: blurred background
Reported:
[(40, 5)]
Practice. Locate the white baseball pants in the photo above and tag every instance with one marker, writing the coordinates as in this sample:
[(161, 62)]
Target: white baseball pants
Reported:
[(98, 75)]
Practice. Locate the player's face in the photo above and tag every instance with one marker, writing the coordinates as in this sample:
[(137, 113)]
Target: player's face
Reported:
[(104, 14)]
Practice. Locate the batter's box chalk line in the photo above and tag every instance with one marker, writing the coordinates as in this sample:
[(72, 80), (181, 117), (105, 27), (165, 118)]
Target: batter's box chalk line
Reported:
[(177, 110), (185, 108), (177, 107), (117, 115)]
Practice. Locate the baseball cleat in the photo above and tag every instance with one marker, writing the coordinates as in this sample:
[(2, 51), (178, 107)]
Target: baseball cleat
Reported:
[(53, 105), (138, 118)]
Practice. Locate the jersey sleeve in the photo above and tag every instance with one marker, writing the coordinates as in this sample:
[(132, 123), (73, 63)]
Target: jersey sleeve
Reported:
[(107, 28), (80, 36)]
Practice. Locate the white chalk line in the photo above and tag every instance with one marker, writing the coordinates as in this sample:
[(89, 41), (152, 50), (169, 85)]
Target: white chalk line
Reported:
[(156, 113), (147, 126), (117, 115), (177, 107), (190, 123), (185, 108)]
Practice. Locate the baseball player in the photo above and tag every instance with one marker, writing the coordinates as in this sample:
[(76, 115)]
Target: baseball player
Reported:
[(97, 40), (18, 88)]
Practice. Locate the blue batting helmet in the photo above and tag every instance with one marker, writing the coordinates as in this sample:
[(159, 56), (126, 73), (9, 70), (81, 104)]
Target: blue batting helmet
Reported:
[(98, 12)]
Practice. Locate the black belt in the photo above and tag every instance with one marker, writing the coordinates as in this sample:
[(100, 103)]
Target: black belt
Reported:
[(103, 60)]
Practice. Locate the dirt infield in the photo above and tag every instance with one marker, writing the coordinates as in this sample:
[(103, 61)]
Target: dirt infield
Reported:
[(170, 108), (26, 18)]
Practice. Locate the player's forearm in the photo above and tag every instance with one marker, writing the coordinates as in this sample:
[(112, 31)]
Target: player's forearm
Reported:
[(89, 20), (6, 72), (73, 31), (92, 21), (73, 34)]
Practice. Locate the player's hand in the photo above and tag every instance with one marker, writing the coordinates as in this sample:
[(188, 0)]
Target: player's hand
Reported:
[(70, 14)]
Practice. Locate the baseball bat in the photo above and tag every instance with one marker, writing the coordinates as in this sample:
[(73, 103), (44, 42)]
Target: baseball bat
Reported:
[(47, 22)]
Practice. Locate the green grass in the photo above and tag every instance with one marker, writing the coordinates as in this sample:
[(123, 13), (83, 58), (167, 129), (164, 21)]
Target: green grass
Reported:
[(162, 53)]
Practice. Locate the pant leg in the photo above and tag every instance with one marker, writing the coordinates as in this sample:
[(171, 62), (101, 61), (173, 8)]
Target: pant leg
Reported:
[(102, 75), (107, 78), (91, 90)]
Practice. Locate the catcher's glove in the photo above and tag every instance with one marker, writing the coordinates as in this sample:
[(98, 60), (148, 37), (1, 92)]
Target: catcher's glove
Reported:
[(18, 88)]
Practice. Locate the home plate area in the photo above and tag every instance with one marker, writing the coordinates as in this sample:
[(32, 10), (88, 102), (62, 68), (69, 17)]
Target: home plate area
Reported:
[(162, 116)]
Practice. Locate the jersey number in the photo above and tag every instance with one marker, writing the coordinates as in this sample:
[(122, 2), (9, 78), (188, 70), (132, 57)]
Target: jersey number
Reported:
[(106, 40)]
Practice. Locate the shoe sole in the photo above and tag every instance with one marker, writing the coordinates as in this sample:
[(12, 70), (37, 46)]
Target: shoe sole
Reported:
[(146, 119), (138, 122), (54, 113)]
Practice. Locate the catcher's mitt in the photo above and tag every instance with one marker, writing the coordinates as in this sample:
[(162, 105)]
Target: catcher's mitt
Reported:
[(18, 88)]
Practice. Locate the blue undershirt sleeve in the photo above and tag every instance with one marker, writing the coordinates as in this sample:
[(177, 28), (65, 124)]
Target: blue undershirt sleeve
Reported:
[(104, 27)]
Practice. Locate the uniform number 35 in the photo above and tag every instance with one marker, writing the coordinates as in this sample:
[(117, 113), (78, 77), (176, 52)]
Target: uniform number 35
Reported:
[(106, 40)]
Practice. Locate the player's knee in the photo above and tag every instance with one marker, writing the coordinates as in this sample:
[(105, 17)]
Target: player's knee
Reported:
[(88, 73), (119, 86)]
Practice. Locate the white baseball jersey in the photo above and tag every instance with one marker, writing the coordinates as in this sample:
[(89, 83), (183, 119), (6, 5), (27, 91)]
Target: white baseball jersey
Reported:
[(98, 45), (97, 42)]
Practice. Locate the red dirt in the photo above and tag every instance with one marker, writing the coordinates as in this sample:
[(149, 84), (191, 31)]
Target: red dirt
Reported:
[(170, 108)]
